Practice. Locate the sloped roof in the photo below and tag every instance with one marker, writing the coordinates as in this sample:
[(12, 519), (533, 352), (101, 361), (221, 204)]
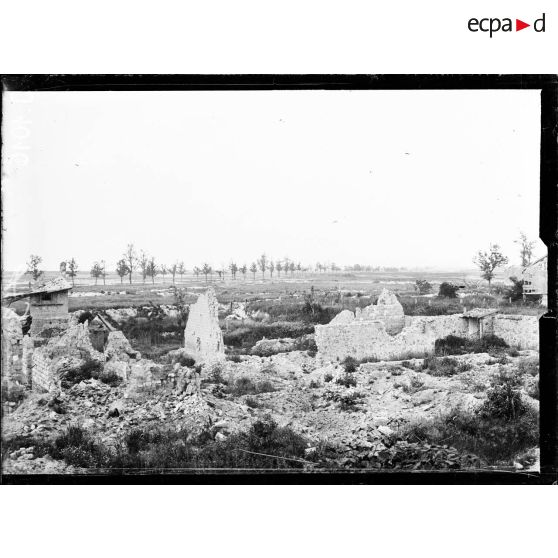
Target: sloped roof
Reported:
[(55, 285), (535, 262), (479, 312)]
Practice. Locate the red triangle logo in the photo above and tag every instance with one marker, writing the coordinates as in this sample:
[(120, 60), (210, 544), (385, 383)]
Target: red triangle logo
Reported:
[(519, 25)]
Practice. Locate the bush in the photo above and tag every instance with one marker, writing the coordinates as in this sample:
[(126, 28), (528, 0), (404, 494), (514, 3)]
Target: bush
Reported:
[(86, 371), (495, 441), (516, 291), (247, 336), (251, 402), (350, 364), (528, 366), (415, 384), (328, 376), (455, 345), (503, 399), (306, 343), (234, 358), (263, 446), (423, 286), (184, 360), (348, 400), (245, 386), (448, 290), (112, 379), (445, 366), (346, 380)]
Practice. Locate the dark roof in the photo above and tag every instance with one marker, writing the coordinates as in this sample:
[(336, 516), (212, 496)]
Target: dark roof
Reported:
[(479, 312), (58, 284)]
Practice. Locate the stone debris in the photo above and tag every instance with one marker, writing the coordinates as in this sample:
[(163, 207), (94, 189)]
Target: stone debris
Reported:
[(268, 347), (203, 338)]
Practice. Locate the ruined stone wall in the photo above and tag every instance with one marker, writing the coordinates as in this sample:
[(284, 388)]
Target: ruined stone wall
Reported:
[(12, 350), (203, 338), (44, 377), (49, 315), (27, 359), (517, 331), (387, 309), (441, 326), (369, 339)]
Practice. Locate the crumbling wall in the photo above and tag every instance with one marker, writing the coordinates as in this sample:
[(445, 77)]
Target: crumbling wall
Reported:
[(369, 339), (44, 377), (12, 349), (203, 338), (119, 348), (49, 318), (441, 326), (60, 354), (387, 309), (517, 331)]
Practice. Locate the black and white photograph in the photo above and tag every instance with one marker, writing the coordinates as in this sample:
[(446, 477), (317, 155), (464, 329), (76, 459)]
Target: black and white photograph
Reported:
[(271, 280)]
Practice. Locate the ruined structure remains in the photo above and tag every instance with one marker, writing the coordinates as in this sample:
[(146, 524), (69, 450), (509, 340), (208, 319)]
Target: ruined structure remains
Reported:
[(48, 306), (535, 279), (203, 338), (383, 332)]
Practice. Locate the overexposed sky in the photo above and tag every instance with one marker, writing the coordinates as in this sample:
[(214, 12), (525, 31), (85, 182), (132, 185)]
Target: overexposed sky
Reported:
[(389, 178)]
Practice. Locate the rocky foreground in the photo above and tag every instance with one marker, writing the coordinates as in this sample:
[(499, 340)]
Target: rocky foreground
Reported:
[(358, 409)]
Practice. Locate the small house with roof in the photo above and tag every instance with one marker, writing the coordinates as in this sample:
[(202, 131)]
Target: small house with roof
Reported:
[(48, 305), (535, 279)]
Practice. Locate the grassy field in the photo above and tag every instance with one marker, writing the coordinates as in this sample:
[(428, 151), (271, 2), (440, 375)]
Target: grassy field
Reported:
[(340, 290)]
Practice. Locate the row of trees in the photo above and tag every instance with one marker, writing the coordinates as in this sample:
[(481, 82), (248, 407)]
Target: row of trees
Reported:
[(488, 262)]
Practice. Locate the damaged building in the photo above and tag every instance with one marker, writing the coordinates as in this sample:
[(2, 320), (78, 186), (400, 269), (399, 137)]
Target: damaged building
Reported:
[(203, 338), (48, 306), (383, 332)]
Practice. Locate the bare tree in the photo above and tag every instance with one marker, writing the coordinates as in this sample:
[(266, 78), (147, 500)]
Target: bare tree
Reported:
[(96, 271), (206, 270), (234, 269), (299, 267), (143, 262), (254, 269), (72, 270), (104, 271), (151, 270), (130, 258), (262, 263), (197, 272), (526, 248), (122, 269), (244, 270), (292, 268), (279, 268), (489, 261), (163, 270), (271, 267), (172, 270), (181, 270), (33, 267)]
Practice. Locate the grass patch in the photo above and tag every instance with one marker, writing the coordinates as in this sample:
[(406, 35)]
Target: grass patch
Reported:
[(264, 446), (245, 386), (246, 336), (455, 345), (500, 429), (445, 366), (528, 366)]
